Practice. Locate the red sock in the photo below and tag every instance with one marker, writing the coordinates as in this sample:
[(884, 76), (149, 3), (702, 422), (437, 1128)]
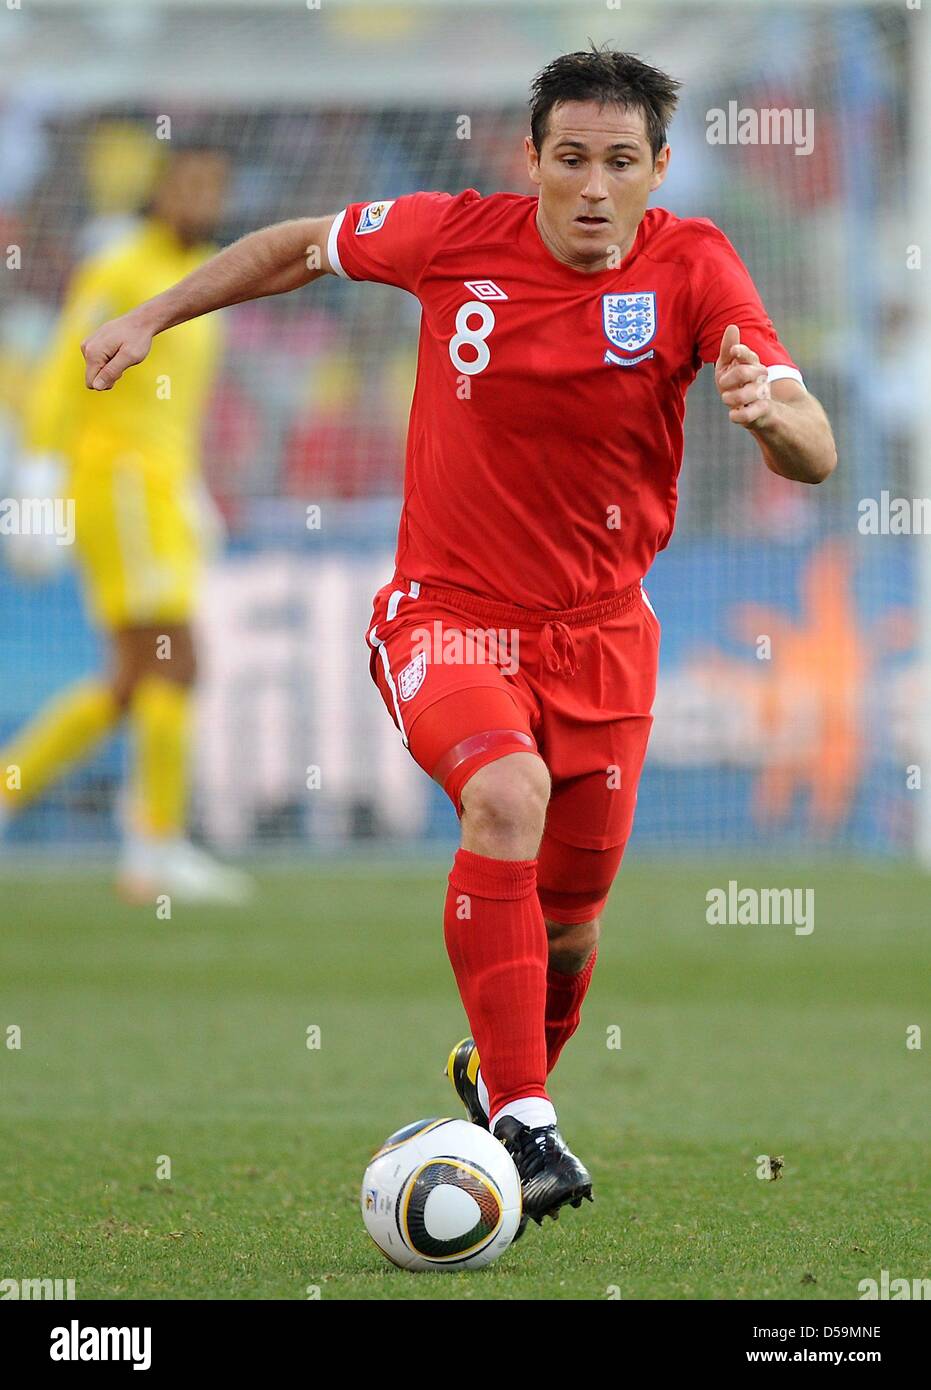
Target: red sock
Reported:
[(564, 995), (497, 945)]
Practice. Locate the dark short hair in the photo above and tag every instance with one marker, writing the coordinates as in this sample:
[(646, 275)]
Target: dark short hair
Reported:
[(608, 77)]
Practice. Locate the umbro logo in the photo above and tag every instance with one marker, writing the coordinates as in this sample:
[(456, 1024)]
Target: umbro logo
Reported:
[(484, 289)]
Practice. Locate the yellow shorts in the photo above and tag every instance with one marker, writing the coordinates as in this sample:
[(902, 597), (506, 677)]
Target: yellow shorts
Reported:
[(137, 543)]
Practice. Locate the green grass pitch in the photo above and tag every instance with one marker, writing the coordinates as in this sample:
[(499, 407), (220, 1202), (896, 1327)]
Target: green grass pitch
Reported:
[(188, 1038)]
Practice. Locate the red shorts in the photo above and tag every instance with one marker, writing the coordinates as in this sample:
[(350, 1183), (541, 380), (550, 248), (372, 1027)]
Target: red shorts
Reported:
[(468, 680)]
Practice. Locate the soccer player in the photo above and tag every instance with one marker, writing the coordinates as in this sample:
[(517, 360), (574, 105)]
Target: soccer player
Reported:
[(559, 335), (131, 465)]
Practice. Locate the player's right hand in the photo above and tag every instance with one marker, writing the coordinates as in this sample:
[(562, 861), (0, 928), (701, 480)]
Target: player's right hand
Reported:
[(116, 345)]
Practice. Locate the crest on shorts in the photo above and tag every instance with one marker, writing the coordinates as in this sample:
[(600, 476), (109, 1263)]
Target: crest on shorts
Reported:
[(372, 217), (630, 319), (411, 678)]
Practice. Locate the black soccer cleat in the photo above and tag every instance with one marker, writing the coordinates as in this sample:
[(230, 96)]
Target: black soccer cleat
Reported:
[(550, 1174), (462, 1070)]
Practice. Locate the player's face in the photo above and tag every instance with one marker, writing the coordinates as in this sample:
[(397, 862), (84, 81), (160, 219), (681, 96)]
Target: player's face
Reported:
[(595, 173), (190, 198)]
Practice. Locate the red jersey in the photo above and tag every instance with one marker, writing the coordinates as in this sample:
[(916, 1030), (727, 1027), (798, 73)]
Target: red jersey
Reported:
[(546, 429)]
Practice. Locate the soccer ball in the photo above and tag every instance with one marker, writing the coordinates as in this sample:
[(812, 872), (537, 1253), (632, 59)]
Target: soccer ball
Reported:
[(441, 1194)]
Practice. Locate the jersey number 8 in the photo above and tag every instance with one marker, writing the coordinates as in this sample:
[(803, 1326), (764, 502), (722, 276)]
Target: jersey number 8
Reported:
[(474, 338)]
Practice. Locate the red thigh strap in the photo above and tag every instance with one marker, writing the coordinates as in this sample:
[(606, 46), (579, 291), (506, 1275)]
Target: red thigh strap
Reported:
[(464, 731), (462, 762), (476, 746)]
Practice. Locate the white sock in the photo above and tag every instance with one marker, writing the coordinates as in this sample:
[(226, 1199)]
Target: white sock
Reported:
[(532, 1112), (482, 1092)]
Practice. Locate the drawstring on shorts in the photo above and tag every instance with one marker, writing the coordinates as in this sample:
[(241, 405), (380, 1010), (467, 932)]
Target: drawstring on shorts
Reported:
[(558, 649)]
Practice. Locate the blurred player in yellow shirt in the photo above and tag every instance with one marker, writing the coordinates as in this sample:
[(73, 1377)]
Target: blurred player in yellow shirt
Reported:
[(133, 469)]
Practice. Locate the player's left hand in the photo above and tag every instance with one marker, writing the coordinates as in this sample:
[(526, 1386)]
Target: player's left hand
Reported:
[(742, 381)]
